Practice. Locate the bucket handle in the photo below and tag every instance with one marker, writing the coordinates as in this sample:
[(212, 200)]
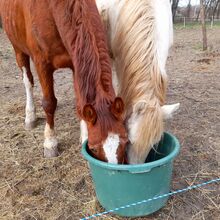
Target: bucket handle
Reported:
[(139, 172), (143, 169)]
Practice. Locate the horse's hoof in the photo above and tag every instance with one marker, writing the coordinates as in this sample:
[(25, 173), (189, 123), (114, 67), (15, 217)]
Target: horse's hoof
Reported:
[(50, 148), (51, 152), (30, 125)]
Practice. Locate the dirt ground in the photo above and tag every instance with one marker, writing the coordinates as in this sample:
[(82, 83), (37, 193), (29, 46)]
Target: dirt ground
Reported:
[(32, 187)]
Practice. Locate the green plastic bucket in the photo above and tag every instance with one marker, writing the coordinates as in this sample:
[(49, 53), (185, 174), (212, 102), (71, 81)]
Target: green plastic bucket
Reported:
[(120, 185)]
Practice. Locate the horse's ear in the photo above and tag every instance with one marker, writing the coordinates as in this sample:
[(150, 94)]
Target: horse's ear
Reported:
[(89, 114), (168, 110), (117, 107)]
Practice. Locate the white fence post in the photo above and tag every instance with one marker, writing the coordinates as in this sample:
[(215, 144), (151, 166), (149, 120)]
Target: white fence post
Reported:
[(212, 21)]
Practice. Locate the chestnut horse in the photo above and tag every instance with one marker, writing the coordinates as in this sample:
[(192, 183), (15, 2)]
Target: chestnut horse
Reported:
[(57, 34), (140, 35)]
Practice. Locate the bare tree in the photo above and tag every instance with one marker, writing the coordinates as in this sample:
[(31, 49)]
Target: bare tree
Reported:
[(216, 6), (189, 9), (218, 11), (207, 7), (204, 35), (211, 7), (175, 4)]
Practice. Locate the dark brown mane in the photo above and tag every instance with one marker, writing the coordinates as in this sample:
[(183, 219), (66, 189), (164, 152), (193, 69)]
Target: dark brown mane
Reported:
[(86, 43)]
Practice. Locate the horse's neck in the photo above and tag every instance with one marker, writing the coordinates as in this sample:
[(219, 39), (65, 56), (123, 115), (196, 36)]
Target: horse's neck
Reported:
[(81, 30), (135, 49)]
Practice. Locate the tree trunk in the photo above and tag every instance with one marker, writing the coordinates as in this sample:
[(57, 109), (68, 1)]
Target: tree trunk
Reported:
[(216, 7), (218, 12), (207, 7), (203, 25), (189, 9), (199, 11), (174, 8)]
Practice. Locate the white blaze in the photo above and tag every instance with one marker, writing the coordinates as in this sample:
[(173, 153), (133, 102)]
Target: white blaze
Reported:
[(110, 148), (84, 131)]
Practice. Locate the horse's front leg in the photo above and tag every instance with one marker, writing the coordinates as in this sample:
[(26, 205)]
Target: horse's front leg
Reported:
[(49, 103), (23, 62)]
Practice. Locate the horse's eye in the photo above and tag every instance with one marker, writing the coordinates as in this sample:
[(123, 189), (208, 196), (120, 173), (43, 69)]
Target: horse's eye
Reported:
[(94, 150)]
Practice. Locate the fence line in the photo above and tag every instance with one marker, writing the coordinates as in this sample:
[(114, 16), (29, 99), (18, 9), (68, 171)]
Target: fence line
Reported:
[(154, 198), (194, 21)]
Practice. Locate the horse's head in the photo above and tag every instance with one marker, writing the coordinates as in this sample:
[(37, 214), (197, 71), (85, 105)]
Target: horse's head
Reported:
[(145, 127), (107, 136)]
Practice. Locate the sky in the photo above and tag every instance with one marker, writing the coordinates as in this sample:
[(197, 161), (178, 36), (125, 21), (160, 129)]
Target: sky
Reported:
[(185, 2)]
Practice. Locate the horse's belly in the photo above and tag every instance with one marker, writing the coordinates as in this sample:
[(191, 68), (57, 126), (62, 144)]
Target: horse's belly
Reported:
[(62, 61)]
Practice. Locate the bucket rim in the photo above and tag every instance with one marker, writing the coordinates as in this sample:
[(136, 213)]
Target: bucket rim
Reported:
[(134, 168)]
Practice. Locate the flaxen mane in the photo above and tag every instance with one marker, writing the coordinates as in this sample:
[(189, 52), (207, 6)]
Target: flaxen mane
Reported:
[(140, 77)]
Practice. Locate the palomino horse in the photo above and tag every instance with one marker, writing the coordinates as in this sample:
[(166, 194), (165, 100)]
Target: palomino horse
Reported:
[(58, 34), (140, 34)]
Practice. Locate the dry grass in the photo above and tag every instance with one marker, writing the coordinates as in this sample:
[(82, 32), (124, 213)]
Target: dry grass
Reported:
[(32, 187)]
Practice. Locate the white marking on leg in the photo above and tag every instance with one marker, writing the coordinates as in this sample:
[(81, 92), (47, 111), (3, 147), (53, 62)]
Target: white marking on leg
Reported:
[(84, 131), (110, 148), (50, 138), (30, 108)]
